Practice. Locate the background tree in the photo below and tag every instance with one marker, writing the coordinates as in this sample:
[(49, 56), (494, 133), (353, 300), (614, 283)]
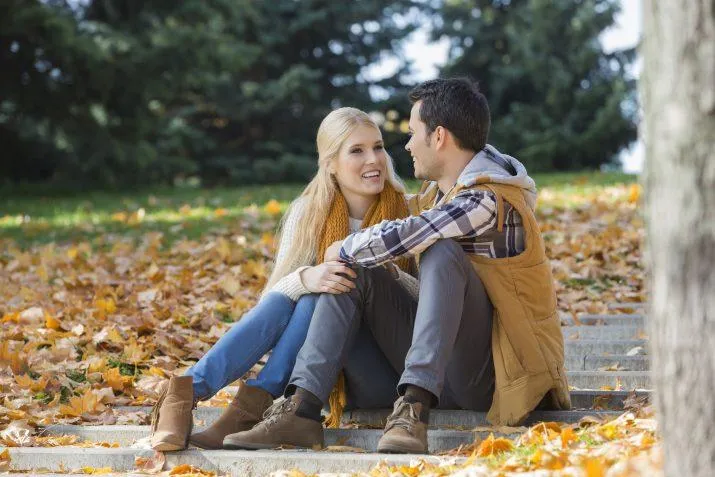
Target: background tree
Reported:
[(558, 101), (679, 102), (135, 91)]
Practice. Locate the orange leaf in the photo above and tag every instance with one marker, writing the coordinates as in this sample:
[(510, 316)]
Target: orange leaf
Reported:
[(152, 464), (567, 437), (190, 469), (634, 193), (272, 207), (52, 322), (491, 446), (595, 468)]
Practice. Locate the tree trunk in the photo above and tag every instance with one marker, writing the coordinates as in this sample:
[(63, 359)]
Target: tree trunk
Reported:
[(678, 91)]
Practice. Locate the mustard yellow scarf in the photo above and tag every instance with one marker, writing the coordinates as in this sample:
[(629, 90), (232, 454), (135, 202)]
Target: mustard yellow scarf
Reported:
[(389, 206)]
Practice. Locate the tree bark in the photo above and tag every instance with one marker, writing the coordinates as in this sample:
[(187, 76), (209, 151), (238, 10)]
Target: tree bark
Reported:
[(678, 92)]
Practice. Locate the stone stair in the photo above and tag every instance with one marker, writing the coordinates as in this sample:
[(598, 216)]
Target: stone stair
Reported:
[(606, 358)]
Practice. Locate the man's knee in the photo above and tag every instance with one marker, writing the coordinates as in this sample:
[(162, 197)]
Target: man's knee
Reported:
[(443, 252), (366, 277)]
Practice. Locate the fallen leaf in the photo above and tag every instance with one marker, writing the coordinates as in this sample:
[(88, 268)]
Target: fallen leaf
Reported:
[(152, 464), (491, 446)]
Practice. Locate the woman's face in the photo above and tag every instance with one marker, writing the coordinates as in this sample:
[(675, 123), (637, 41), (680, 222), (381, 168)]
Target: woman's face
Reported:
[(361, 165)]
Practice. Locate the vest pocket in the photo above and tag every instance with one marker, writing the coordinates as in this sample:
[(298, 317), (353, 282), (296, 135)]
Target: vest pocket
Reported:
[(535, 288)]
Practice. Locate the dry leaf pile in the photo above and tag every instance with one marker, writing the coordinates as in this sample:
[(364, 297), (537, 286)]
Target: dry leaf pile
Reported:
[(90, 325)]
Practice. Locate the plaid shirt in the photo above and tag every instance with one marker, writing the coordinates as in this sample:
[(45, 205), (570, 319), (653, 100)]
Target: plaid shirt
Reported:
[(470, 218)]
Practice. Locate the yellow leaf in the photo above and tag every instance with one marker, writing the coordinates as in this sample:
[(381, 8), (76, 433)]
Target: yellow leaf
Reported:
[(491, 446), (634, 193), (26, 382), (115, 337), (119, 217), (154, 371), (105, 306), (134, 352), (96, 365), (230, 285), (78, 405), (4, 460), (115, 379), (96, 470), (272, 207), (52, 322)]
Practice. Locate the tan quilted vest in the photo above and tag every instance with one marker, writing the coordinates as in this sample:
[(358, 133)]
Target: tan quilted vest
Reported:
[(527, 344)]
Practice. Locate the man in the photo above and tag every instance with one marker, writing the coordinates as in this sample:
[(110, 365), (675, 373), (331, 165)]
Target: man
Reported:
[(483, 333)]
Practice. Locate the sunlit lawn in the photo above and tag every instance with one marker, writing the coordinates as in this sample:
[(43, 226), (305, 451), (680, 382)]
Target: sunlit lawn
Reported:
[(36, 217)]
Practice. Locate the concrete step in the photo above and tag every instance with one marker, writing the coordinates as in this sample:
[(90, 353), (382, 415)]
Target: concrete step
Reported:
[(604, 332), (609, 320), (626, 306), (582, 348), (598, 399), (236, 463), (365, 439), (596, 363), (472, 419), (616, 379), (439, 418)]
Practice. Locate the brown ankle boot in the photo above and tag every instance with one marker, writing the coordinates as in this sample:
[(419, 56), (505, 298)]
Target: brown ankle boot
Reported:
[(282, 426), (404, 432), (244, 412), (171, 418)]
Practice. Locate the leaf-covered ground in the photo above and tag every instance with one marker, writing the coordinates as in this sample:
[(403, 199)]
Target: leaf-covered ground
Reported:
[(102, 296)]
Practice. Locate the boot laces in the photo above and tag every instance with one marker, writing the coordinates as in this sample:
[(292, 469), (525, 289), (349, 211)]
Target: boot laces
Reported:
[(403, 416), (277, 409)]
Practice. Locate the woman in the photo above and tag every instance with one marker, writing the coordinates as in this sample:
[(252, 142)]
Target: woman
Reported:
[(355, 187)]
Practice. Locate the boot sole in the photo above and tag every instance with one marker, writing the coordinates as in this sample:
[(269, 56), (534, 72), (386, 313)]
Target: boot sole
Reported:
[(396, 449), (205, 447), (233, 445), (168, 447)]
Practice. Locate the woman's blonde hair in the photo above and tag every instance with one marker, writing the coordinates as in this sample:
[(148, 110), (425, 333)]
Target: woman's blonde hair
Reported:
[(316, 199)]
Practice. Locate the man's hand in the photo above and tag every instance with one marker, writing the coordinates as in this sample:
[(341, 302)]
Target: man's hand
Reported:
[(332, 253)]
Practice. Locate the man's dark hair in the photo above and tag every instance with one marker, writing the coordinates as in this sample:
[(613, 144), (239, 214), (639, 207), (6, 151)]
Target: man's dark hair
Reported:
[(457, 105)]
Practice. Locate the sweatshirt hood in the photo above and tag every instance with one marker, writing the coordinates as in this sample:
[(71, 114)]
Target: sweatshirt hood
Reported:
[(488, 166)]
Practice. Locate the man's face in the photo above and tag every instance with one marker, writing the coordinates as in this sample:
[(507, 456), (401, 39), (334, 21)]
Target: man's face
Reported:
[(420, 147)]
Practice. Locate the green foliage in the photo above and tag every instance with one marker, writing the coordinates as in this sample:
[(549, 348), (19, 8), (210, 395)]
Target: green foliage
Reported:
[(132, 91), (558, 101)]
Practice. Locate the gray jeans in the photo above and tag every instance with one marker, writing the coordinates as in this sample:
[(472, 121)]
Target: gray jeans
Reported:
[(440, 342)]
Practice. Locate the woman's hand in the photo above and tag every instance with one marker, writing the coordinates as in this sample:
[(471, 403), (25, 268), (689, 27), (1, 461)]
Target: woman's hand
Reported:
[(328, 277)]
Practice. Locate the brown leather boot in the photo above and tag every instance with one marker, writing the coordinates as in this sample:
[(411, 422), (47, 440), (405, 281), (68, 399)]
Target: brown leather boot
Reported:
[(244, 412), (282, 426), (171, 418), (404, 432)]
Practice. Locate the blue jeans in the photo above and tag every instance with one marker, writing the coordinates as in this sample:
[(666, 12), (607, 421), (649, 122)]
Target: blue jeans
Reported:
[(276, 323)]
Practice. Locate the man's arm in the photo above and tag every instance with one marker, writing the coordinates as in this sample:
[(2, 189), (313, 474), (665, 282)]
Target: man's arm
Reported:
[(469, 214)]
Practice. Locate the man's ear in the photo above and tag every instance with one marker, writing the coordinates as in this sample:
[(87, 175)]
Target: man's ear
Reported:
[(440, 136)]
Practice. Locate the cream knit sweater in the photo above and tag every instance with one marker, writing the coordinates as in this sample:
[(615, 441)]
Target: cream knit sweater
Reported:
[(292, 285)]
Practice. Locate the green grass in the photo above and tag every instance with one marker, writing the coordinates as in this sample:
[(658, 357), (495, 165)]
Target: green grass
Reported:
[(35, 216)]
